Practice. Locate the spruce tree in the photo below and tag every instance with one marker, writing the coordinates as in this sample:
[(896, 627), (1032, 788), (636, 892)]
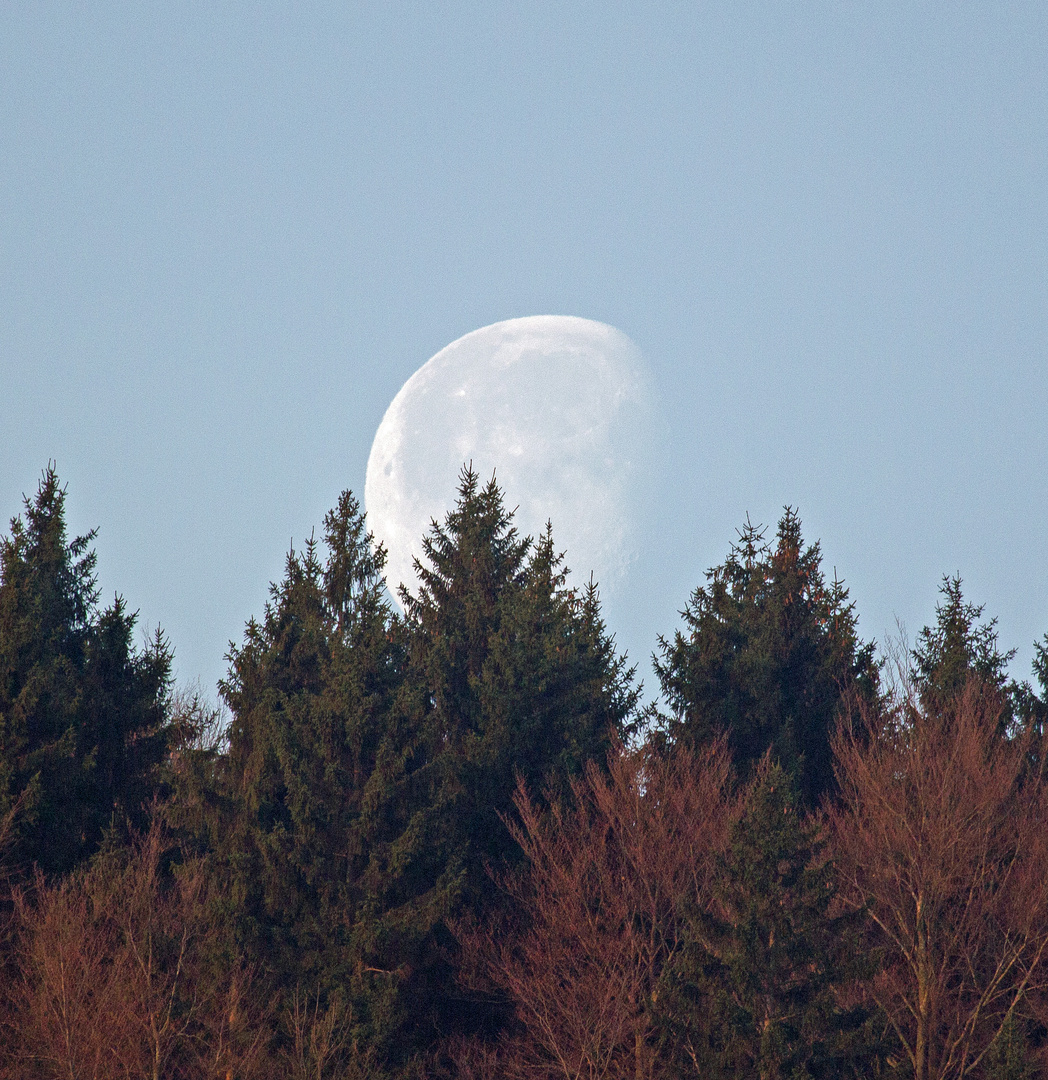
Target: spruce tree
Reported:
[(511, 675), (768, 654), (371, 760), (310, 690), (1009, 1056), (754, 992), (957, 648), (83, 712), (1031, 707)]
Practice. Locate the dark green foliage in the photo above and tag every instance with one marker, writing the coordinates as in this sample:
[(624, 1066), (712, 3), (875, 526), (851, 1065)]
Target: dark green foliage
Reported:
[(530, 689), (510, 674), (359, 805), (754, 991), (1031, 707), (311, 691), (370, 759), (514, 672), (1009, 1056), (956, 648), (768, 654), (83, 713)]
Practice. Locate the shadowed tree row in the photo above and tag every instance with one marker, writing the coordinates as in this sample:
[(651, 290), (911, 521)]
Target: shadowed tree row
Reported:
[(453, 842)]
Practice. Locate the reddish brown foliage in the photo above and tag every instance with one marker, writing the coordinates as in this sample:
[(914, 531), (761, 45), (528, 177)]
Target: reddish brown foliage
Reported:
[(113, 981), (944, 837), (604, 879)]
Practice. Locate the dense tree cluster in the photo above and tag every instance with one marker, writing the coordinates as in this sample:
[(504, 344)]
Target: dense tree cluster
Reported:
[(450, 840), (82, 721), (768, 653)]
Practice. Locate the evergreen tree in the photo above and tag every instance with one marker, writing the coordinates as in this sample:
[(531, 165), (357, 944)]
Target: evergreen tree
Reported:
[(1009, 1057), (768, 653), (83, 713), (754, 993), (1031, 707), (956, 648), (510, 674), (310, 690)]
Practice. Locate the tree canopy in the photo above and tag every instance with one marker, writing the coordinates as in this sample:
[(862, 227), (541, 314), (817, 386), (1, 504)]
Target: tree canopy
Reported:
[(372, 759), (768, 653), (83, 711), (447, 840)]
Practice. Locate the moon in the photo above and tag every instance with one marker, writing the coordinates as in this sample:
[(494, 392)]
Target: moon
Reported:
[(557, 407)]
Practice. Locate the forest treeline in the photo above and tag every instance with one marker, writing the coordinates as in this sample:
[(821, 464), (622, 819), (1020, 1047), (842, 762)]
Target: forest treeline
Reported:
[(455, 841)]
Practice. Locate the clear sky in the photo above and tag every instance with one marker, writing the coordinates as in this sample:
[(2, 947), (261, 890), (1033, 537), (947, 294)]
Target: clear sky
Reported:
[(230, 231)]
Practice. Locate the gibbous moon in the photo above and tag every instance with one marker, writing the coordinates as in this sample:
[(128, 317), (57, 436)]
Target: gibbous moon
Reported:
[(555, 406)]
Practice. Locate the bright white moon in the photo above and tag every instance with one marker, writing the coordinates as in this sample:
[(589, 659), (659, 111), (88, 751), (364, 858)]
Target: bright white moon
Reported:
[(556, 406)]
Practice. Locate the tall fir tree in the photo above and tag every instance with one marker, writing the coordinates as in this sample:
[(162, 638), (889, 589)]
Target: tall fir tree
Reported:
[(510, 675), (756, 990), (961, 647), (311, 690), (83, 713), (958, 647), (768, 654)]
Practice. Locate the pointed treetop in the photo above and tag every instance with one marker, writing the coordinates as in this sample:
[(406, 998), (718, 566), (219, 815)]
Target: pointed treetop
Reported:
[(958, 646), (37, 560), (474, 553)]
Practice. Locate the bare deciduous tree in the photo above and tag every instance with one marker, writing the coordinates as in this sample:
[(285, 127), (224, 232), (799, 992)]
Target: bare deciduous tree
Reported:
[(943, 835), (113, 979), (599, 895), (320, 1041)]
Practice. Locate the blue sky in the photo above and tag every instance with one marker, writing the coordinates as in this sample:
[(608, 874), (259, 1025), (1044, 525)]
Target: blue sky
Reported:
[(229, 232)]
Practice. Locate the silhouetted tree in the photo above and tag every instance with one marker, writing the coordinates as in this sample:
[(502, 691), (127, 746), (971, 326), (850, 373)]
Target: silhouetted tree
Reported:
[(956, 648), (768, 653), (83, 713), (510, 674), (310, 691)]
